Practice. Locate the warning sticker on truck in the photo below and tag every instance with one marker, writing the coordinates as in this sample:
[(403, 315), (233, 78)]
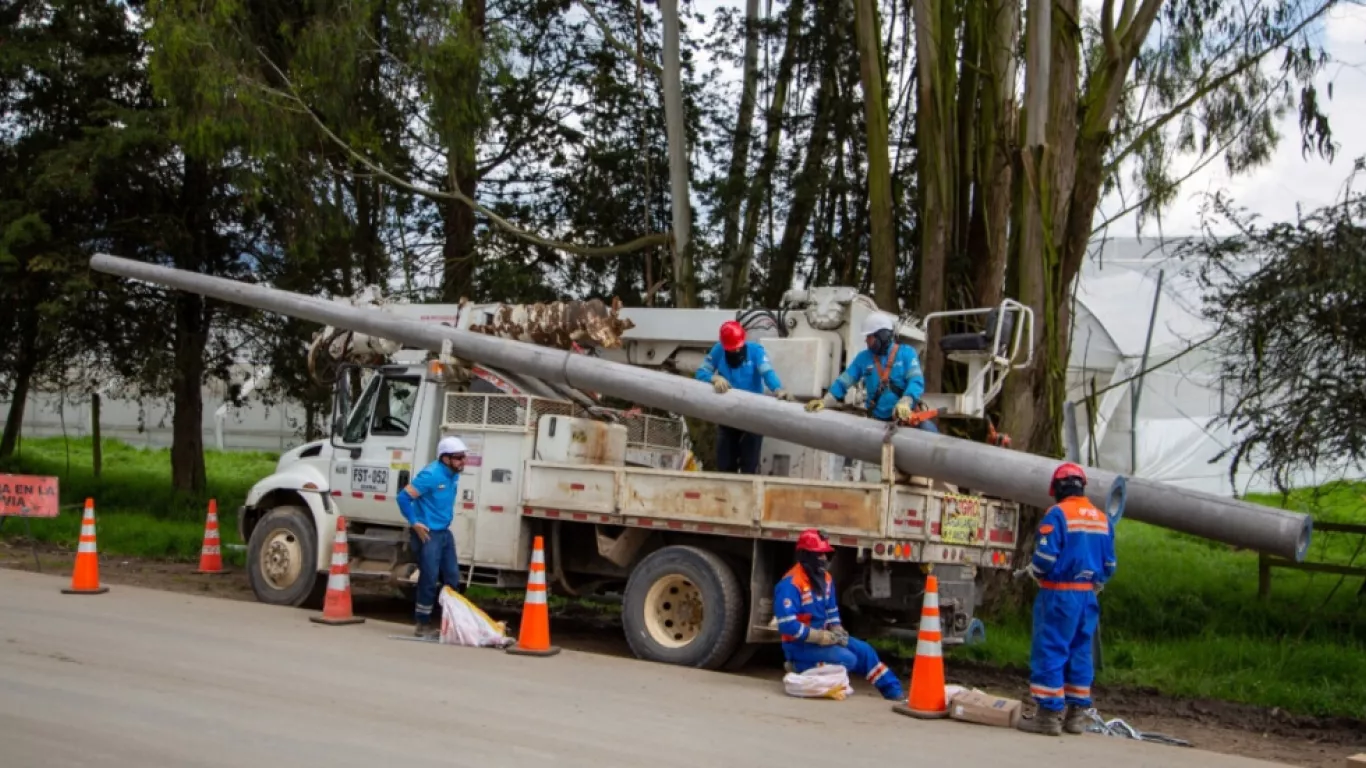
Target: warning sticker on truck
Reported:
[(372, 479), (962, 516)]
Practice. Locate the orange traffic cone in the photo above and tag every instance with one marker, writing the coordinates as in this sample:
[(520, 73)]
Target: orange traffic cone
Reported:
[(927, 675), (85, 579), (211, 554), (533, 637), (337, 604)]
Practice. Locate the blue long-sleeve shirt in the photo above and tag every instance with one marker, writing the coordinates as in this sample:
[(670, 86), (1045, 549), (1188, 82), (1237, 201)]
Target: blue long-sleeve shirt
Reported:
[(1075, 546), (430, 498), (904, 377), (751, 376), (799, 610)]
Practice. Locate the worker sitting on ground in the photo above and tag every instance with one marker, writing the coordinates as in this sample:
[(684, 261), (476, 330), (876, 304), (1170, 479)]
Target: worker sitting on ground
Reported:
[(891, 376), (428, 504), (1073, 559), (734, 362), (808, 617)]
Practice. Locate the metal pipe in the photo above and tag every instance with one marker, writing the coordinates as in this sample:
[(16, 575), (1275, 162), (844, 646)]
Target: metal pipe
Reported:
[(1001, 472)]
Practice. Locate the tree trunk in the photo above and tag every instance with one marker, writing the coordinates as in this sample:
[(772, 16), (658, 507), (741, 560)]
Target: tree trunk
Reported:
[(458, 253), (988, 242), (191, 335), (763, 176), (97, 447), (881, 226), (23, 378), (810, 180), (732, 287), (935, 27), (684, 278)]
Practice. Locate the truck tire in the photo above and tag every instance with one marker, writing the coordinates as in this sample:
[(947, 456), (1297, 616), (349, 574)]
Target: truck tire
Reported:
[(282, 559), (684, 605)]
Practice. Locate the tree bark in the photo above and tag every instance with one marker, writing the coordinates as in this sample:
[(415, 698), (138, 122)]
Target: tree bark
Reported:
[(763, 176), (881, 226), (684, 278), (732, 287), (23, 378), (995, 147), (937, 154), (810, 180), (96, 447), (458, 253), (191, 335)]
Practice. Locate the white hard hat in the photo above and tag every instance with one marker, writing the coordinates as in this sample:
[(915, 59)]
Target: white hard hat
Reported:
[(877, 321), (450, 445)]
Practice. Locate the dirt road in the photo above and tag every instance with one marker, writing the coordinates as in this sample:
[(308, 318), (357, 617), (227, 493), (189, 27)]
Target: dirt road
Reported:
[(140, 677)]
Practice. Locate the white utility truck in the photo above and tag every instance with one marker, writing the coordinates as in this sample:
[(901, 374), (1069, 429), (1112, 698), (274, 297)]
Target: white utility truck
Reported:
[(616, 494)]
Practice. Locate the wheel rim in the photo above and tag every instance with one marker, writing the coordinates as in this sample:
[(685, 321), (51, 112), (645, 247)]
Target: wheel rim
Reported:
[(673, 611), (282, 558)]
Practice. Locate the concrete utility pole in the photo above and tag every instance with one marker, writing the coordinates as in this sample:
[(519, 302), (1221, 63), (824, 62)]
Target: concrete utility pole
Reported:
[(1001, 472)]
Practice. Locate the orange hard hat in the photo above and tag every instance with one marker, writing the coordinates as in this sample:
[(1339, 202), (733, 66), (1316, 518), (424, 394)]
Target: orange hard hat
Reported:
[(813, 540), (732, 335)]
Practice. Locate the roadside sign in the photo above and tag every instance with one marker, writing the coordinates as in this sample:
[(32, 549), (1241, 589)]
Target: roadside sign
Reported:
[(28, 496)]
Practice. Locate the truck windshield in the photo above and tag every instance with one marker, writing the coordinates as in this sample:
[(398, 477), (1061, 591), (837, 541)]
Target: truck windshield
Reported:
[(359, 418)]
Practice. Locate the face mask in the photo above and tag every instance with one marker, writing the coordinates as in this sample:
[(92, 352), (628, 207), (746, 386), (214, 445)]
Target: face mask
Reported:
[(882, 341), (815, 566), (737, 358)]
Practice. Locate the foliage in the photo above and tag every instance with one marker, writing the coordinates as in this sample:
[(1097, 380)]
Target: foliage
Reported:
[(1289, 299)]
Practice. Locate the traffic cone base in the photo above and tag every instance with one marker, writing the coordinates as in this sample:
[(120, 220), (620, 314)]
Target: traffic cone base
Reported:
[(533, 636), (85, 576), (337, 605), (211, 553), (926, 700)]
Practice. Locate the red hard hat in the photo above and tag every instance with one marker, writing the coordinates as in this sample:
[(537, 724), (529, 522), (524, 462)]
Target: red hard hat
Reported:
[(1067, 471), (811, 540), (732, 336)]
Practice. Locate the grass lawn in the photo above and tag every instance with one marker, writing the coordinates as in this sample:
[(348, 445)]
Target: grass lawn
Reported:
[(1182, 615)]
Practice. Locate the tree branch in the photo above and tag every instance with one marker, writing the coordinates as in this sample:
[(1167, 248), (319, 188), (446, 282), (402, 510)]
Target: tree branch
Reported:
[(644, 241), (618, 44), (1241, 67)]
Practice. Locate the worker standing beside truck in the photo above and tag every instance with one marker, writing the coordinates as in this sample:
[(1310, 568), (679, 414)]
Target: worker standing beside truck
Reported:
[(808, 616), (734, 362), (428, 504), (891, 375), (1074, 557)]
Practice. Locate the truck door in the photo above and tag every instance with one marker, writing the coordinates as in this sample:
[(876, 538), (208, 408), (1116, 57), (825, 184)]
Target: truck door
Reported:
[(383, 429), (497, 534)]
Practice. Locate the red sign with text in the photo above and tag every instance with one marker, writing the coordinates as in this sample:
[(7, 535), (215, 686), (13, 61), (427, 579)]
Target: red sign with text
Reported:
[(28, 496)]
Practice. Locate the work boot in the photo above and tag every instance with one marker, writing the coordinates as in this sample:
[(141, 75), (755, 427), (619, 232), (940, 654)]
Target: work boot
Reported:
[(424, 629), (1076, 720), (1047, 722)]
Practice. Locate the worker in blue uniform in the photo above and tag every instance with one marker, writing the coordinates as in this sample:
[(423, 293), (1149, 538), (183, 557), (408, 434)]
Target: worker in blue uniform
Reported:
[(809, 620), (428, 504), (734, 363), (891, 374), (1074, 557)]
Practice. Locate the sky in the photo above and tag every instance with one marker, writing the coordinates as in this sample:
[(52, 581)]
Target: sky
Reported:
[(1274, 189)]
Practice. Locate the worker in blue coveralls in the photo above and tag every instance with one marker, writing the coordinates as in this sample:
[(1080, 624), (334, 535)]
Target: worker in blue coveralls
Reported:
[(736, 363), (891, 374), (1073, 559), (428, 504), (809, 620)]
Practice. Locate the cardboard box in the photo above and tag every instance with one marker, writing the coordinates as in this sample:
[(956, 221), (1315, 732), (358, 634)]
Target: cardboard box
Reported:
[(980, 707)]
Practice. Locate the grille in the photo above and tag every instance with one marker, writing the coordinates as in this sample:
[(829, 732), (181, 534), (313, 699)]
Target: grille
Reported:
[(654, 432)]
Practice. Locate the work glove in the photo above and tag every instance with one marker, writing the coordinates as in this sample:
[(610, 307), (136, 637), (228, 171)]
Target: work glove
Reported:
[(903, 409), (841, 634), (783, 394), (1028, 570), (822, 637), (821, 404), (720, 385)]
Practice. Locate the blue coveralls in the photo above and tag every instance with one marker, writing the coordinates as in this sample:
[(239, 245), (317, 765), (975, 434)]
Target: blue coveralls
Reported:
[(798, 610), (903, 377), (434, 508), (736, 448), (1075, 552)]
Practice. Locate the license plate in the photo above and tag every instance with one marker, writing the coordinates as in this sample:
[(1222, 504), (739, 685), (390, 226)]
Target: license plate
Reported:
[(373, 479)]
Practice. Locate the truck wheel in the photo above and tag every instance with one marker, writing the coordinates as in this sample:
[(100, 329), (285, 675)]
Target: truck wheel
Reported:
[(282, 559), (683, 605)]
